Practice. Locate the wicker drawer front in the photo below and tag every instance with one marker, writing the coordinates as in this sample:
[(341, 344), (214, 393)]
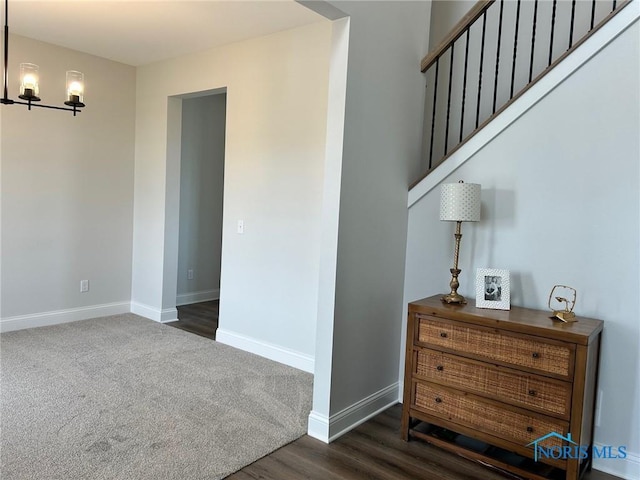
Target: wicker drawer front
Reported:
[(521, 351), (510, 386), (486, 417)]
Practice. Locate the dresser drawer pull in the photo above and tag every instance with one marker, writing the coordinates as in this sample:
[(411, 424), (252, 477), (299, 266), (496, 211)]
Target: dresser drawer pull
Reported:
[(530, 429), (438, 400), (535, 355), (443, 334), (532, 393), (440, 368)]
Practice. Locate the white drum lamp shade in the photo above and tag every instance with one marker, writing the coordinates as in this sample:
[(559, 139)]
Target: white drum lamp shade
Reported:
[(460, 202)]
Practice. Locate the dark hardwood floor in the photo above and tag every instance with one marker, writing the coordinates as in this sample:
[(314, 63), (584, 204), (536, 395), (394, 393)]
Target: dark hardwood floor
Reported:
[(199, 318), (374, 450)]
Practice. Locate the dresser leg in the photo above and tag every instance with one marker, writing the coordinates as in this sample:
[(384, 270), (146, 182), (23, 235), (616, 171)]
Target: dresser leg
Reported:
[(405, 427), (573, 470)]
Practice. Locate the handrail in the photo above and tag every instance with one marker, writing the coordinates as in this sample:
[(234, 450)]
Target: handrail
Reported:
[(456, 32), (466, 89)]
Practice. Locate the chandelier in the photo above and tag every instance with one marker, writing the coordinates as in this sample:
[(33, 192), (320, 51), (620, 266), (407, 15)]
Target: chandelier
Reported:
[(29, 88)]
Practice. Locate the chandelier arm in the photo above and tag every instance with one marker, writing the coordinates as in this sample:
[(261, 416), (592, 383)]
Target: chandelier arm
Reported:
[(53, 107)]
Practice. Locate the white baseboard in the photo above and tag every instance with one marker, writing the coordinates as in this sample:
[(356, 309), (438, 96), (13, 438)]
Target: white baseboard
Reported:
[(165, 315), (289, 357), (318, 426), (328, 429), (627, 468), (20, 322), (196, 297)]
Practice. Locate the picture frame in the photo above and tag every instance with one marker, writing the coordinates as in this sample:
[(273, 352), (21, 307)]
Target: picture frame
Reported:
[(493, 289)]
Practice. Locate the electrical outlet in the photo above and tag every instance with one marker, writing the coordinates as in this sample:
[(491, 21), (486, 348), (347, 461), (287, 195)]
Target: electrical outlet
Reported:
[(190, 274), (240, 227), (84, 286)]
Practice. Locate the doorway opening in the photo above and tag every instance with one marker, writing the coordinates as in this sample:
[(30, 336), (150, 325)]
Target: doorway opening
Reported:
[(202, 158)]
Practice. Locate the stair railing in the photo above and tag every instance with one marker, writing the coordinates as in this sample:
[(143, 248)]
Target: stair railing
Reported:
[(506, 46)]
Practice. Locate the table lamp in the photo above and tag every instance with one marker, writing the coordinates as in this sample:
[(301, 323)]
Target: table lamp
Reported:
[(459, 202)]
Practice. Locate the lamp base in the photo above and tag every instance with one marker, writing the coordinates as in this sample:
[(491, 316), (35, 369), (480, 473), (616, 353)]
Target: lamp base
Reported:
[(454, 298)]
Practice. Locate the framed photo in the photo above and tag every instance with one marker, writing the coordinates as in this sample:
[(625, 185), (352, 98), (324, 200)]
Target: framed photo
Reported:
[(493, 289)]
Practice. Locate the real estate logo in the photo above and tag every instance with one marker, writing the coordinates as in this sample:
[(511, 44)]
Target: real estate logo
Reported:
[(573, 450)]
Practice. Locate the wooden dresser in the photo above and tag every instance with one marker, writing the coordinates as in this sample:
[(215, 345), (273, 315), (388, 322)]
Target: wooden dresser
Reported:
[(486, 383)]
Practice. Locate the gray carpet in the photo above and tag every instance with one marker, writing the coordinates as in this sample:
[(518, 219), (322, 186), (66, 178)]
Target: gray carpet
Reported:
[(123, 397)]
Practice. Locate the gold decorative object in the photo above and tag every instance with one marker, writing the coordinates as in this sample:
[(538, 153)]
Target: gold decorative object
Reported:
[(459, 202), (567, 314)]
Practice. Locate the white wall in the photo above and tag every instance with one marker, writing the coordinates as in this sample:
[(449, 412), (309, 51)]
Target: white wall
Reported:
[(561, 205), (444, 15), (67, 191), (275, 139), (360, 315), (201, 189)]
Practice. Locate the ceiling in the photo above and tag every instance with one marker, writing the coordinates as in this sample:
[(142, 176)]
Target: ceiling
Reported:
[(146, 31)]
